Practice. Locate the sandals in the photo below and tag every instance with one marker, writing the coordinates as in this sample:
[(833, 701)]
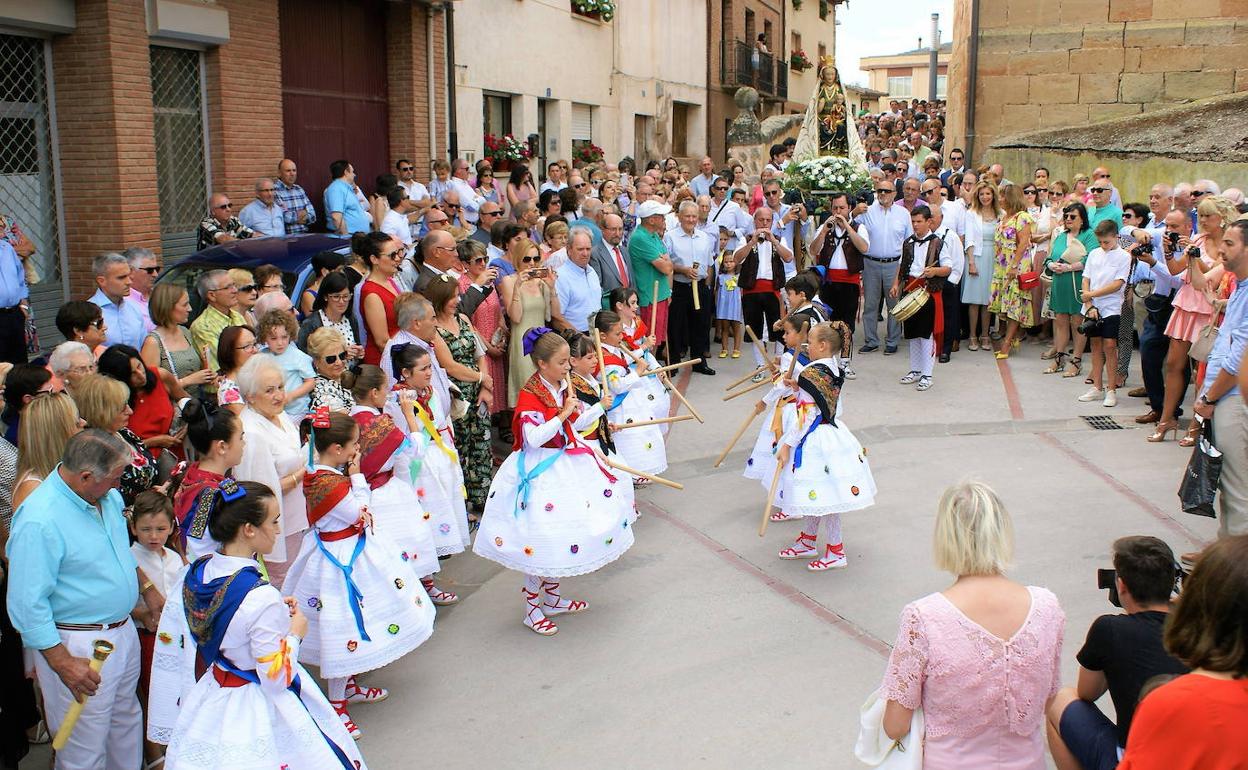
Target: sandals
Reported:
[(561, 606), (1193, 433), (973, 345), (535, 620), (985, 343), (1056, 365), (340, 708), (831, 560), (1073, 367), (782, 516), (1049, 354), (803, 548), (357, 694), (438, 596)]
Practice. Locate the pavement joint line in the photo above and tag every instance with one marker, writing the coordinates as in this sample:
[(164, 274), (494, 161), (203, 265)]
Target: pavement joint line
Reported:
[(1011, 390), (784, 589), (1147, 505)]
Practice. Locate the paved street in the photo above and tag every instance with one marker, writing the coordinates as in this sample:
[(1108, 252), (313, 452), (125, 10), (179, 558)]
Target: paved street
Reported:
[(702, 648)]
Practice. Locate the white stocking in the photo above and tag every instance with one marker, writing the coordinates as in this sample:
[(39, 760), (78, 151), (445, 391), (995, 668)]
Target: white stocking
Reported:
[(336, 688), (832, 532)]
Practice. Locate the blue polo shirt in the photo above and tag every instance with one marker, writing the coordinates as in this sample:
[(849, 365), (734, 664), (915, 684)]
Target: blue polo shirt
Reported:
[(69, 562), (1228, 349), (13, 287), (340, 197)]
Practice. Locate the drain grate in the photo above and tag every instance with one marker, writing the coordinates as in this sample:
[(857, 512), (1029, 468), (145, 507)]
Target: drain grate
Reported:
[(1102, 423)]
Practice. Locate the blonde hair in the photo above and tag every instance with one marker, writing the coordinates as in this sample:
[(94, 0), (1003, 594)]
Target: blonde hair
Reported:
[(323, 340), (521, 247), (1218, 205), (46, 425), (978, 208), (240, 276), (100, 399), (827, 334), (974, 533)]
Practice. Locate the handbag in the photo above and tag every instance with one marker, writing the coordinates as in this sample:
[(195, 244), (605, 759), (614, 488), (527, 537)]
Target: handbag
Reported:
[(876, 749), (1028, 280), (1203, 345), (1200, 479)]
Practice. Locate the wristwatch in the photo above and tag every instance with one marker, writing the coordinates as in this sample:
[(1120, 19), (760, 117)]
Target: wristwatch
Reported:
[(1204, 400)]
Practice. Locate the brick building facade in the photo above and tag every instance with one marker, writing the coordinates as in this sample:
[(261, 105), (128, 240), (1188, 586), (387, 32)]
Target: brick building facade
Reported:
[(131, 111), (1068, 62)]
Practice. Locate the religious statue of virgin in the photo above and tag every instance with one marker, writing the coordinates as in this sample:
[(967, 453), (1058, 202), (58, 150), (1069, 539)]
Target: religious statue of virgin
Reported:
[(828, 128)]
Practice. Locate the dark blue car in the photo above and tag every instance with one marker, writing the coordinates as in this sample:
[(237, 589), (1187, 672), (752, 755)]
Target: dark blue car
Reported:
[(292, 253)]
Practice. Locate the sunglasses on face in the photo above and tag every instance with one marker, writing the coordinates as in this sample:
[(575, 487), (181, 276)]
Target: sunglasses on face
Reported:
[(226, 206), (721, 189), (886, 191), (248, 287), (151, 270), (1198, 193), (454, 206), (407, 168), (1042, 189), (333, 359), (480, 260), (1029, 192), (579, 185), (1070, 217), (491, 213), (530, 260), (98, 323), (1099, 189)]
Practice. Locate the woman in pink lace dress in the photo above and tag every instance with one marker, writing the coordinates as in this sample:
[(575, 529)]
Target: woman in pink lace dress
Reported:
[(487, 319), (981, 658)]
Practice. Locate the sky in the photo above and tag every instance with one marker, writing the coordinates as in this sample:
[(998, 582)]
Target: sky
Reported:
[(861, 31)]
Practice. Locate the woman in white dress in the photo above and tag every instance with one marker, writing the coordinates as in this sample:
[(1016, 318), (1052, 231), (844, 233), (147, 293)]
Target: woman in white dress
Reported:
[(553, 508), (273, 455), (981, 229), (255, 708)]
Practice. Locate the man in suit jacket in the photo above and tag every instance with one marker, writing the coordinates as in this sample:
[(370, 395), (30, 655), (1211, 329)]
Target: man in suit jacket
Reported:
[(609, 259), (438, 256)]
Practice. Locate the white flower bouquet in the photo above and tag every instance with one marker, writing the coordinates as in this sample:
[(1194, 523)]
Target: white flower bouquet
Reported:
[(827, 173)]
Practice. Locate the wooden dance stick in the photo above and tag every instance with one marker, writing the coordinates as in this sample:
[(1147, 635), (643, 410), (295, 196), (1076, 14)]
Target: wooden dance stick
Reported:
[(681, 397), (781, 458), (762, 351), (654, 308), (602, 366), (697, 303), (670, 367), (102, 649), (755, 386), (640, 475), (655, 421), (737, 382), (737, 436)]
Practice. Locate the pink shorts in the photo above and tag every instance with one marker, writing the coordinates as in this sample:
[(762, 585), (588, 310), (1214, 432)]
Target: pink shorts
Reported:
[(660, 320)]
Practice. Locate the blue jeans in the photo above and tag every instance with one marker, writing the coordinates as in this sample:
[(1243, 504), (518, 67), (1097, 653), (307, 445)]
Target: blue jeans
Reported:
[(1153, 347), (877, 279)]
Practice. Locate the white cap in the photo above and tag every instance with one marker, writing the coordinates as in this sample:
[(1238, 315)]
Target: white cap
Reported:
[(652, 208)]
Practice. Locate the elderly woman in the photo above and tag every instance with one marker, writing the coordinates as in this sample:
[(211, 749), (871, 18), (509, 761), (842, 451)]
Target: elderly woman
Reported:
[(472, 429), (273, 456), (83, 322), (1188, 723), (529, 300), (329, 358), (1065, 259), (986, 629), (554, 236), (151, 400), (247, 293), (1014, 257), (169, 345), (235, 346), (104, 403), (330, 311), (71, 361)]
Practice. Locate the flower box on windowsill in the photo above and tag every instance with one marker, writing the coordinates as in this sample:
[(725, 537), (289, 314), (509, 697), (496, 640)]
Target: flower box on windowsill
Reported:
[(601, 11)]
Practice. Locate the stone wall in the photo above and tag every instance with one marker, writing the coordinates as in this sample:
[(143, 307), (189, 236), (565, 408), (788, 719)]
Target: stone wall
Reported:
[(1067, 62)]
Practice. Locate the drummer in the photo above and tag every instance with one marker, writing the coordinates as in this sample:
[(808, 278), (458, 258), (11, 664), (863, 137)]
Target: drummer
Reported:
[(925, 264)]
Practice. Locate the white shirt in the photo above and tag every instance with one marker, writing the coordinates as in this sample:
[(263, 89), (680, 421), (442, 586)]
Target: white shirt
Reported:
[(161, 568), (729, 214), (837, 262), (764, 261), (549, 185), (395, 225), (951, 215), (415, 190), (556, 259), (919, 263), (1102, 268), (787, 231), (687, 249), (469, 201), (952, 247)]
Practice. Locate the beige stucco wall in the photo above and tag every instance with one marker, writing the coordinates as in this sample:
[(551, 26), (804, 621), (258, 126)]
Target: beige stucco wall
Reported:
[(1133, 176), (1062, 62), (651, 54), (806, 22)]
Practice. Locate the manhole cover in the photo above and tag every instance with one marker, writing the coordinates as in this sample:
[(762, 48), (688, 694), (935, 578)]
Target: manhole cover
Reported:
[(1102, 423)]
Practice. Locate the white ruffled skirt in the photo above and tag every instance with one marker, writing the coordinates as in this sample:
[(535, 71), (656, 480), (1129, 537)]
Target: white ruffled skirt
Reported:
[(834, 476), (400, 521)]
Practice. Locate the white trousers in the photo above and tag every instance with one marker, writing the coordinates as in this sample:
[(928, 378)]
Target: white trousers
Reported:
[(109, 734), (922, 354)]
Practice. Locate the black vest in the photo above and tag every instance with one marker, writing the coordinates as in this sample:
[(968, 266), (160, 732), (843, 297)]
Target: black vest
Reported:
[(934, 284), (747, 274), (853, 257)]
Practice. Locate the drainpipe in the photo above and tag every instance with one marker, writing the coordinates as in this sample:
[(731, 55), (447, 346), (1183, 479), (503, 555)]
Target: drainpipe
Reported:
[(431, 85), (972, 64), (932, 60), (710, 89), (451, 123)]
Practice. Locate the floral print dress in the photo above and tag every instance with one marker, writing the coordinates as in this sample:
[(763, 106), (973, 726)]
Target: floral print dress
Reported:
[(1007, 298), (472, 431)]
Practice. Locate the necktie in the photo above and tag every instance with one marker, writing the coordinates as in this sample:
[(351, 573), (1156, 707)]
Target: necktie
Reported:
[(620, 266)]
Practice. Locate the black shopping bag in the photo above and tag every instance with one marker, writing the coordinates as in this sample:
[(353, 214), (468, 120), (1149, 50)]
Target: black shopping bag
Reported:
[(1200, 479)]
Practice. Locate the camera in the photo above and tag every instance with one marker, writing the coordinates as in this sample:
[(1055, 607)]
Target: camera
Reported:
[(1091, 323), (1173, 238), (865, 195), (1142, 249), (1105, 578), (1193, 252)]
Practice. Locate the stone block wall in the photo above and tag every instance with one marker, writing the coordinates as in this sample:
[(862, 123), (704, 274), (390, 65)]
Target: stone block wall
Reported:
[(1066, 62)]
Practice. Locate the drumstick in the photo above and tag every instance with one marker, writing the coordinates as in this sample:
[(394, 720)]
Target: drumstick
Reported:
[(755, 386), (670, 367), (762, 351), (736, 437), (102, 648), (655, 421), (641, 475), (602, 366)]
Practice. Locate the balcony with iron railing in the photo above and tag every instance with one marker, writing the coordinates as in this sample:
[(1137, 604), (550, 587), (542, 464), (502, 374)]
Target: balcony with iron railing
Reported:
[(740, 64)]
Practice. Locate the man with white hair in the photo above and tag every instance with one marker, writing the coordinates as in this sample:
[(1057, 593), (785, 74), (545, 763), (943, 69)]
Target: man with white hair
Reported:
[(124, 319), (469, 200), (263, 214), (220, 298), (220, 226), (144, 267), (725, 212), (274, 300), (70, 362), (692, 251)]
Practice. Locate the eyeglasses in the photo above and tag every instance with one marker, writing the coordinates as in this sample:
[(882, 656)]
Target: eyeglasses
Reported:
[(154, 270), (407, 168), (1042, 189), (248, 287), (84, 369), (340, 297), (454, 206), (1029, 192), (772, 192), (1098, 189), (98, 323), (226, 206), (446, 248), (579, 185), (491, 213), (336, 358), (721, 188), (530, 260), (1198, 193), (480, 260), (885, 191), (397, 254), (1070, 217), (227, 287), (248, 346)]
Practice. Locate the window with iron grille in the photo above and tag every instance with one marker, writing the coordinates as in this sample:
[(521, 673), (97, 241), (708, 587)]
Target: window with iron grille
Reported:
[(181, 168), (28, 171)]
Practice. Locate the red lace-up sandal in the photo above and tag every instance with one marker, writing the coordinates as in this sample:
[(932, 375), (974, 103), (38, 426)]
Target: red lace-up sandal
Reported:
[(535, 619), (803, 548), (555, 604)]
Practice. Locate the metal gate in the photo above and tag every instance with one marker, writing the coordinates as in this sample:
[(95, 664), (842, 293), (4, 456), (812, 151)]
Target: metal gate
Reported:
[(181, 155), (28, 169)]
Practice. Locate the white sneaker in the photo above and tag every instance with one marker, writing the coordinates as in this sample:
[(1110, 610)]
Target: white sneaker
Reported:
[(1093, 394), (925, 383), (1111, 398), (910, 378), (850, 374)]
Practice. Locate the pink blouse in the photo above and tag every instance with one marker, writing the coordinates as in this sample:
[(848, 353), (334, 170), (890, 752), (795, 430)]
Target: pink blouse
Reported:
[(983, 698), (1188, 298)]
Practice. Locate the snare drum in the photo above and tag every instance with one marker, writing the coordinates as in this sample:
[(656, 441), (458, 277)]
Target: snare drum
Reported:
[(910, 304)]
